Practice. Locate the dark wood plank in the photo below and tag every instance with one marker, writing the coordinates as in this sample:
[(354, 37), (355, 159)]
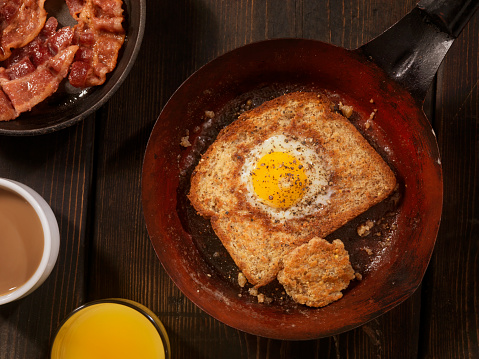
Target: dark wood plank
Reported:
[(180, 37), (395, 334), (91, 176), (58, 166), (451, 301)]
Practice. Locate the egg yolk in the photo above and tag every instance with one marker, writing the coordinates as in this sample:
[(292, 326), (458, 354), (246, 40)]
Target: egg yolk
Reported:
[(279, 179)]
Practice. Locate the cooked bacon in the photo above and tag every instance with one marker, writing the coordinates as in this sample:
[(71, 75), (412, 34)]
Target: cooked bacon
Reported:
[(27, 91), (35, 71), (20, 68), (7, 112), (100, 35), (20, 22), (75, 7), (47, 44), (42, 56)]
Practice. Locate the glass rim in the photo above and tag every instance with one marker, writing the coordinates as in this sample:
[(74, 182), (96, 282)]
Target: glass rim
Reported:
[(145, 311)]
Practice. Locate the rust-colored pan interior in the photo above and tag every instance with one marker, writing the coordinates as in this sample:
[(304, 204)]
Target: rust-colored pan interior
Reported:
[(399, 130)]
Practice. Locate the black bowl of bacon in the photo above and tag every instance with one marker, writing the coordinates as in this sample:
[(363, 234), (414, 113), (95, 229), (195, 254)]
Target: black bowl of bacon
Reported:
[(60, 60)]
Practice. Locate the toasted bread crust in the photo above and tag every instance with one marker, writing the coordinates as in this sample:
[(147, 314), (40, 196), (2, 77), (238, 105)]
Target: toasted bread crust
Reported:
[(316, 272), (359, 179), (256, 249), (360, 176)]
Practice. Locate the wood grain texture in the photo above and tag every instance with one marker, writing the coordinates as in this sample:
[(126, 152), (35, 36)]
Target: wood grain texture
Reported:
[(450, 324), (187, 35), (91, 176), (58, 166)]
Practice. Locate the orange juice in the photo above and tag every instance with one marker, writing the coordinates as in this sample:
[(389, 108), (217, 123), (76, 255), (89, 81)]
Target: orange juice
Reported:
[(116, 329)]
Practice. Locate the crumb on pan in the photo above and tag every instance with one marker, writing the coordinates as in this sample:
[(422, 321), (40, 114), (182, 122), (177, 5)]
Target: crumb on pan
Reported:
[(346, 110), (364, 229), (209, 114), (260, 296), (241, 279), (368, 251), (371, 116), (185, 142)]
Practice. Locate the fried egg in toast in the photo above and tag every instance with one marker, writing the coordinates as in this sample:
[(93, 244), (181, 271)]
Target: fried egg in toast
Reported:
[(283, 173)]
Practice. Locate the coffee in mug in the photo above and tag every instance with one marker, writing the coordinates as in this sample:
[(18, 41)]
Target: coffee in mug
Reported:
[(29, 240), (21, 241)]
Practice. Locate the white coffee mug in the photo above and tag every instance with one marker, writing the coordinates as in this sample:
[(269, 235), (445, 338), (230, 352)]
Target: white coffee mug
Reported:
[(51, 237)]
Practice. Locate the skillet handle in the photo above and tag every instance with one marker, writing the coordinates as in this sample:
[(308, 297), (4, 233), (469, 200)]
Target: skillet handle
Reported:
[(411, 50), (450, 16)]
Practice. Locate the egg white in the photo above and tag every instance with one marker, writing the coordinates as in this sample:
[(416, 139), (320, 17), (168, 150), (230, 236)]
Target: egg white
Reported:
[(315, 166)]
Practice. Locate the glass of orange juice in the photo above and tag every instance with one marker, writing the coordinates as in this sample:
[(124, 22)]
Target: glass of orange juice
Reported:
[(111, 328)]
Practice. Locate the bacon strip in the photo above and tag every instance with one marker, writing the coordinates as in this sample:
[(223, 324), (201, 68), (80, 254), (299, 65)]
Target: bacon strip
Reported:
[(35, 71), (42, 58), (100, 35), (28, 91), (20, 22), (7, 112)]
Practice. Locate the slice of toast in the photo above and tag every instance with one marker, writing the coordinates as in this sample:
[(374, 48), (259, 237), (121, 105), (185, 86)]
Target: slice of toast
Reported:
[(359, 178), (256, 249)]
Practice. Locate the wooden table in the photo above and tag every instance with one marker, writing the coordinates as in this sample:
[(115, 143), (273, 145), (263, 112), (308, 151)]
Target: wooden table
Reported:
[(90, 174)]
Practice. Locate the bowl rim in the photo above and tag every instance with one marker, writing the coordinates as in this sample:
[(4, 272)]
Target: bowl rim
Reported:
[(105, 97)]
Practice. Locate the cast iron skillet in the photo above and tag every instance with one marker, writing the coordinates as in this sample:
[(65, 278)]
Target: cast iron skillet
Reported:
[(69, 105), (394, 71)]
